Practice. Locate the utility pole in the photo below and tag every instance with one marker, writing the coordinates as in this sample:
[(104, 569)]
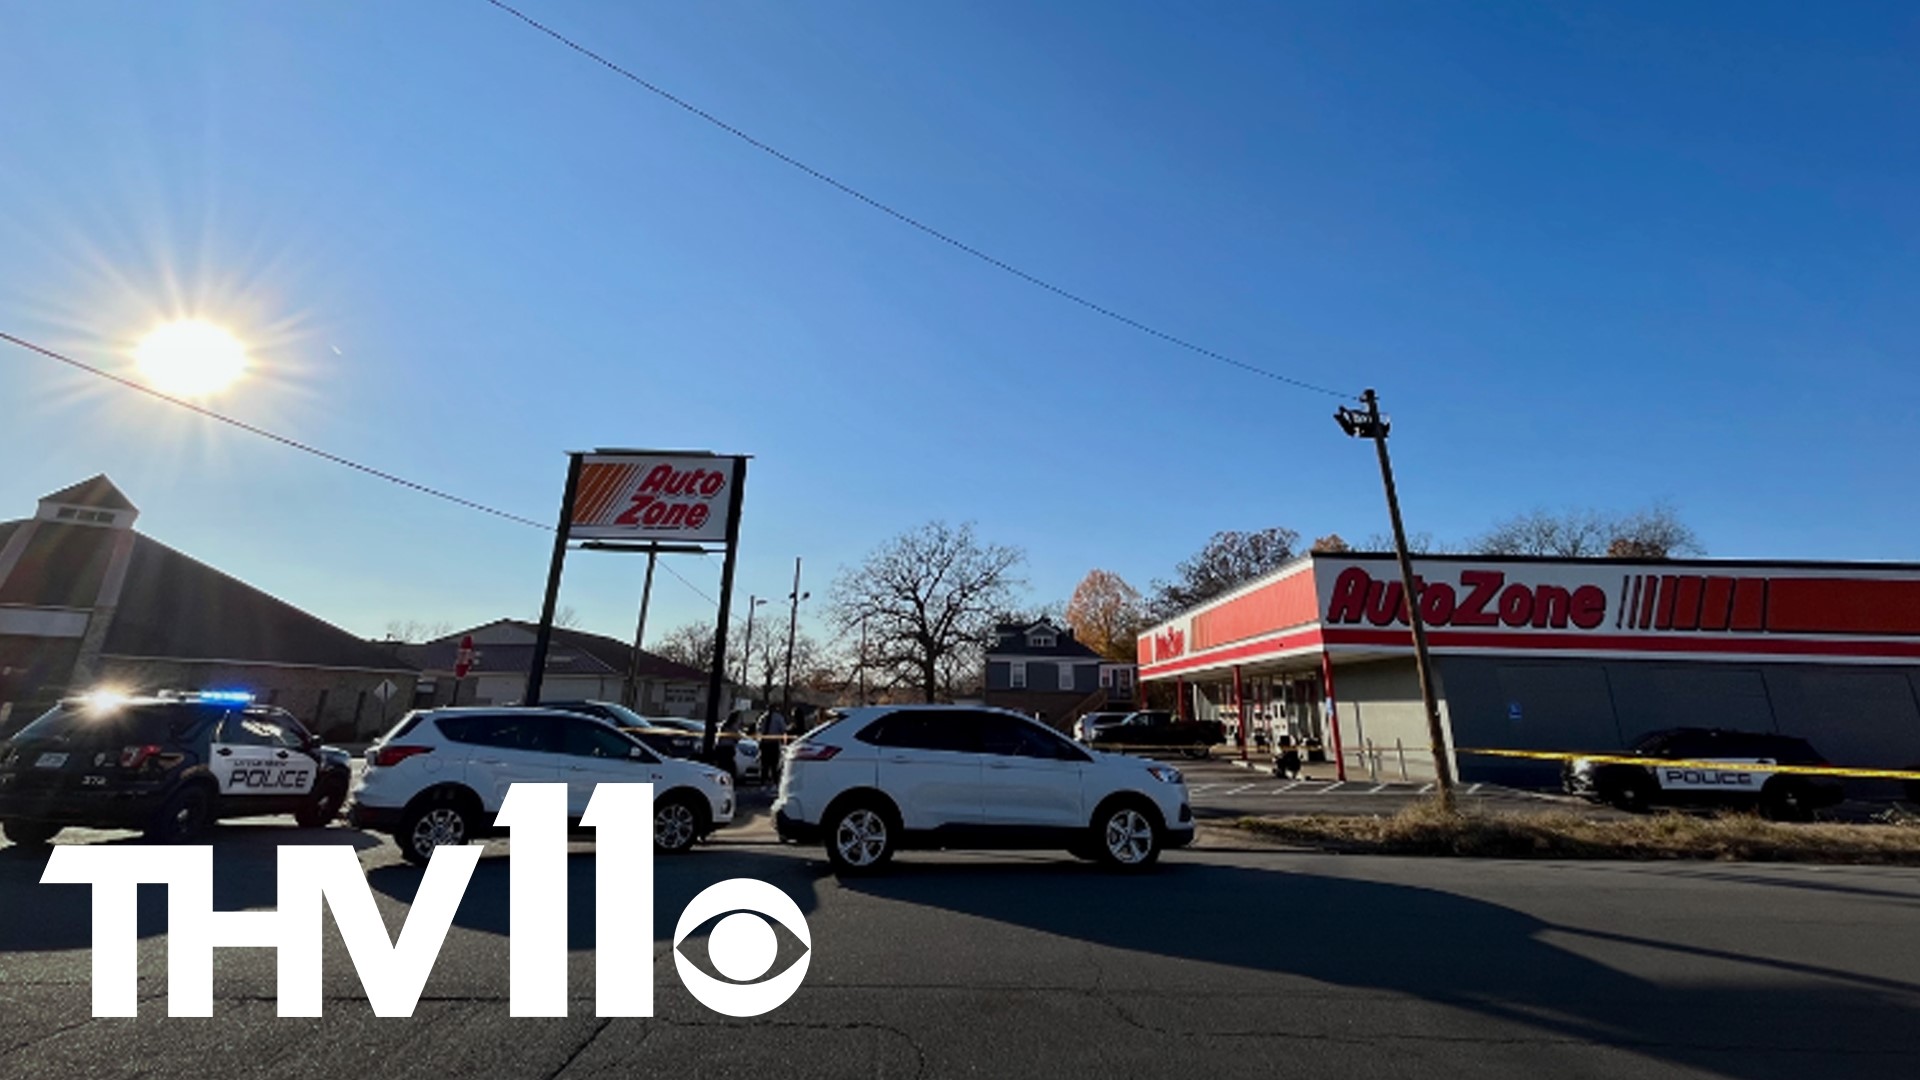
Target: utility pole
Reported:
[(1371, 425), (630, 691), (863, 659), (793, 623), (746, 650)]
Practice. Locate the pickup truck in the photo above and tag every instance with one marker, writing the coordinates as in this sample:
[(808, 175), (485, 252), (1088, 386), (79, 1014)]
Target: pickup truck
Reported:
[(1155, 729)]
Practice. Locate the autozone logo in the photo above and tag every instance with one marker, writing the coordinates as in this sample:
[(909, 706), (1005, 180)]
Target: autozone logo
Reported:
[(678, 497), (1478, 598), (1169, 643), (672, 498)]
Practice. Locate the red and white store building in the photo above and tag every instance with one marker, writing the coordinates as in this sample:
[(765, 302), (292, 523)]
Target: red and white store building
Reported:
[(1553, 654)]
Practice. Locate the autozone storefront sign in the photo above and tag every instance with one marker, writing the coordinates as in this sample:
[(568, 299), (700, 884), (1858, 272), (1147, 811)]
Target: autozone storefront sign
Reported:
[(1639, 599), (1469, 597), (639, 496)]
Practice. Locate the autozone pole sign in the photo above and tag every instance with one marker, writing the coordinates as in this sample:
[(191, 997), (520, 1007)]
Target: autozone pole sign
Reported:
[(641, 496)]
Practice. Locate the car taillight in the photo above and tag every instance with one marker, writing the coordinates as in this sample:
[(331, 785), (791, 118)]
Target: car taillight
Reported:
[(385, 757), (804, 752), (132, 757)]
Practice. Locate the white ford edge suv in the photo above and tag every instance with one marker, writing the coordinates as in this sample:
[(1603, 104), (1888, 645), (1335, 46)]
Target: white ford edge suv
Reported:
[(875, 780), (440, 776)]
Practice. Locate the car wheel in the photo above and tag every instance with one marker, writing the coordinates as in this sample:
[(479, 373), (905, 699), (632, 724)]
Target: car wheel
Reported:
[(432, 825), (859, 837), (676, 825), (30, 833), (1195, 753), (184, 817), (1786, 800), (1126, 837), (324, 807), (1630, 795)]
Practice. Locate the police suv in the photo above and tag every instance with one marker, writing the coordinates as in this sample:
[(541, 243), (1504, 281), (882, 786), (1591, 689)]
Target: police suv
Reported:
[(1710, 767), (168, 764)]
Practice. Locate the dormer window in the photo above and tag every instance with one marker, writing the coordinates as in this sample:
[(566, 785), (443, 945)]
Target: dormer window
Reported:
[(87, 517), (1040, 640)]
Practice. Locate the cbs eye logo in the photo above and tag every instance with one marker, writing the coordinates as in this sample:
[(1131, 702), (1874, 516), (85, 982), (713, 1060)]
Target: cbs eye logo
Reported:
[(742, 947)]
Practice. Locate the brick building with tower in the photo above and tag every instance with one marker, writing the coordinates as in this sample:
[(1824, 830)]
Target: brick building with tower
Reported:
[(88, 602)]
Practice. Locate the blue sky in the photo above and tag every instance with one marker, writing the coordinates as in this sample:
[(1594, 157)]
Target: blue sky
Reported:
[(1591, 255)]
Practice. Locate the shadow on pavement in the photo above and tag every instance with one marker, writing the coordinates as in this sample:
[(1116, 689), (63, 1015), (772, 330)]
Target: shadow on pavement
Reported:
[(1734, 1015), (677, 879)]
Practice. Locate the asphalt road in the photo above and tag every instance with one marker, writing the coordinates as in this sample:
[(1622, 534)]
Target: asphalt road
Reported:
[(1220, 963)]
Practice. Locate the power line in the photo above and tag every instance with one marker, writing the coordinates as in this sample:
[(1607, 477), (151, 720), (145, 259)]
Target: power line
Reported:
[(305, 448), (265, 434), (908, 219)]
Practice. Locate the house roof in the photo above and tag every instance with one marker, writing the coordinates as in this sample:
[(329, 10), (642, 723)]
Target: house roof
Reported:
[(176, 607), (1010, 639), (571, 652), (96, 492)]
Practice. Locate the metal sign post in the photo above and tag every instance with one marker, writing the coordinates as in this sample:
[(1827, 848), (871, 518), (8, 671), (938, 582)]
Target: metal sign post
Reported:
[(717, 678), (543, 637)]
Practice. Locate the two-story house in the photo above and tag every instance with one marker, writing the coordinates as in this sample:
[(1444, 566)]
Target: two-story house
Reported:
[(1040, 669)]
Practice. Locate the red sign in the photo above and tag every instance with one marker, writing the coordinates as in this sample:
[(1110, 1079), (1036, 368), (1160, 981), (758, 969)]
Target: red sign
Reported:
[(644, 496), (463, 660), (1169, 643), (1479, 598)]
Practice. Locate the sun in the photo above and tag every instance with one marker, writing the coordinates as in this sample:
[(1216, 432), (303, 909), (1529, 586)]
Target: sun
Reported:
[(190, 358)]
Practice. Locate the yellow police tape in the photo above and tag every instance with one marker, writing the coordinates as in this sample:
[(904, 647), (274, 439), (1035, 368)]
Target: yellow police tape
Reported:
[(1689, 763)]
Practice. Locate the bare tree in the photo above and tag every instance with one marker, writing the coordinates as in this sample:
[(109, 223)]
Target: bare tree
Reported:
[(1107, 614), (1229, 559), (925, 595), (1655, 532), (1418, 543), (413, 631), (690, 644)]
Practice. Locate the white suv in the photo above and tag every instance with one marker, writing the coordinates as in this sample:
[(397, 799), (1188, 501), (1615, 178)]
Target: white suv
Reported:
[(440, 776), (873, 780)]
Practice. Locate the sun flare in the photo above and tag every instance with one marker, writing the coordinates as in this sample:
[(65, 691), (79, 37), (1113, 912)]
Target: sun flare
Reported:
[(190, 358)]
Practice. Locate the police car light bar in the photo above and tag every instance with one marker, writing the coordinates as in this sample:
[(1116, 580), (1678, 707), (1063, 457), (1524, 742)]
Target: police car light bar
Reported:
[(221, 697), (233, 697)]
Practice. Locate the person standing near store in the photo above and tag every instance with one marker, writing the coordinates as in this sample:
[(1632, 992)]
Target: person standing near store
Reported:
[(1286, 759)]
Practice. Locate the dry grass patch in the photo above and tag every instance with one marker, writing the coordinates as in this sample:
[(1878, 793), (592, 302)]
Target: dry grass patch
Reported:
[(1423, 829)]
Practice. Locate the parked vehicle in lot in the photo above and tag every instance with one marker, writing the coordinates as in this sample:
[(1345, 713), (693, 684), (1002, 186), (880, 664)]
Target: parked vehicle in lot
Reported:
[(1157, 728), (440, 776), (735, 751), (1739, 778), (169, 765), (875, 780), (1091, 724), (739, 755)]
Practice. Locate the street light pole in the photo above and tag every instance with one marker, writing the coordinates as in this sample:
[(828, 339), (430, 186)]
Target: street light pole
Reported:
[(630, 690), (793, 622), (1371, 425), (863, 659)]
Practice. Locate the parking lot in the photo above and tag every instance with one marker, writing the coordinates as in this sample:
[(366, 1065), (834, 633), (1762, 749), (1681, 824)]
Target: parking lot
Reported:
[(1230, 963)]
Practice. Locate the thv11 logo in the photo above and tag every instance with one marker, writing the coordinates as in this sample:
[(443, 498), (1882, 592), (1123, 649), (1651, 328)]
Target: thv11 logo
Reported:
[(394, 972)]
